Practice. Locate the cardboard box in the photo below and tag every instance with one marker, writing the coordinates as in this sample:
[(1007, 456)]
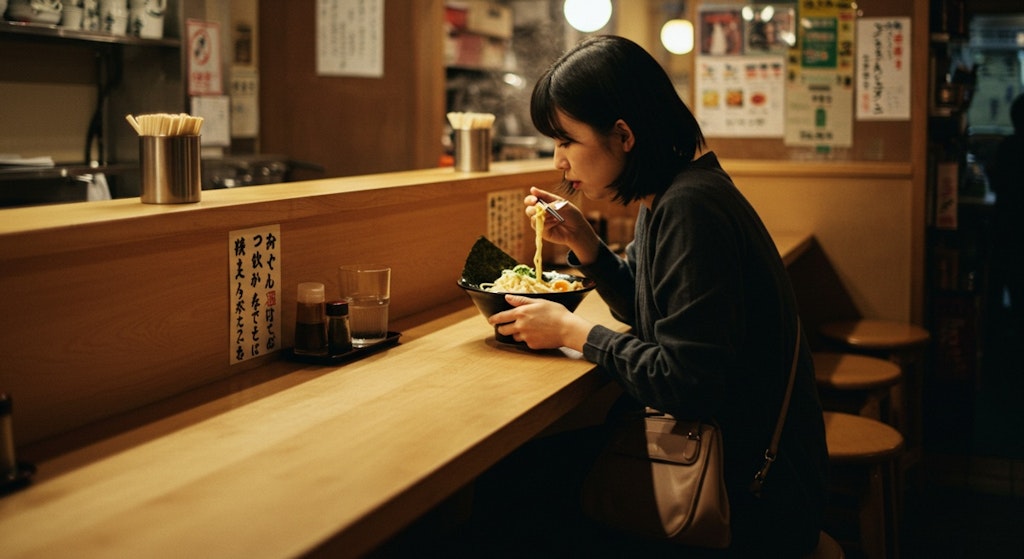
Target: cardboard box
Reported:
[(483, 18), (473, 51), (455, 16)]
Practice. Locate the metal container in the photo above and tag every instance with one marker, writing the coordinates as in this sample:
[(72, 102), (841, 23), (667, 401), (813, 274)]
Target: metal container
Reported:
[(472, 149), (171, 172)]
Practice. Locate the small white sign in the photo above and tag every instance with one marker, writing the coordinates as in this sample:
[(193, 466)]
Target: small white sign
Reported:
[(350, 38), (245, 102), (204, 72), (216, 113), (254, 279)]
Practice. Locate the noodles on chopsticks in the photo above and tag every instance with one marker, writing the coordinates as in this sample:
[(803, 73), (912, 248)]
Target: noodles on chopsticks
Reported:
[(523, 279)]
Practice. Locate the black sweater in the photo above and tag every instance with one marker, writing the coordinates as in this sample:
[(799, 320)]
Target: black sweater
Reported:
[(714, 326)]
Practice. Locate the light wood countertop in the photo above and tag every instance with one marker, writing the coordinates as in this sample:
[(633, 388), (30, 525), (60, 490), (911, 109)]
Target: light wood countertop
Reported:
[(359, 451), (345, 454)]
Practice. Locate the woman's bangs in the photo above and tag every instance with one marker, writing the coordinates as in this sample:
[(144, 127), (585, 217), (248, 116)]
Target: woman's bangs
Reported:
[(544, 114)]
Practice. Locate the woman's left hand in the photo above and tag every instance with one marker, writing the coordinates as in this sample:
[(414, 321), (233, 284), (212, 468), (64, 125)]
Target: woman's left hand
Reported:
[(541, 324)]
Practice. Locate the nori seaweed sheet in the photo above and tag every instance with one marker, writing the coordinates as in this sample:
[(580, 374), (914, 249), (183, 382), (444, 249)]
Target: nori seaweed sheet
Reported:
[(485, 262)]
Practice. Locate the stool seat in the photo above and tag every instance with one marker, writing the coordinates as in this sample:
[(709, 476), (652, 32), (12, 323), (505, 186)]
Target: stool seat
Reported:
[(846, 371), (864, 449), (855, 439), (828, 548), (879, 335)]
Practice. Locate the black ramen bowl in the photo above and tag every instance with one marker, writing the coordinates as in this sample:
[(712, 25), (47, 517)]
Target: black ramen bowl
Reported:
[(490, 302)]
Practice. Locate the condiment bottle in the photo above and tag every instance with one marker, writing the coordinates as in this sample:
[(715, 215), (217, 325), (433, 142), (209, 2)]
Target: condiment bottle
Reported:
[(339, 335), (310, 328)]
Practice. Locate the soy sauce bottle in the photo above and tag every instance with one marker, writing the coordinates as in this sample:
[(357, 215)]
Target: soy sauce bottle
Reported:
[(310, 322)]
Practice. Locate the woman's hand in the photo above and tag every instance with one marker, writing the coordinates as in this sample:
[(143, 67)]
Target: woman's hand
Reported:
[(575, 232), (541, 324)]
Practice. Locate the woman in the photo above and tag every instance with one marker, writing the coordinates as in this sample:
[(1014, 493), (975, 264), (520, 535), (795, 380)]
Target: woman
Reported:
[(713, 315)]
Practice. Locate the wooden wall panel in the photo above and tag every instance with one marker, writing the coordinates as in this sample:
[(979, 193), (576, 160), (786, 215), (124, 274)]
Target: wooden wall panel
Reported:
[(348, 125), (115, 305)]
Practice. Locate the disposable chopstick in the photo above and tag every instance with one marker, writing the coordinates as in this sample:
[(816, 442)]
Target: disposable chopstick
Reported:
[(163, 124), (466, 121)]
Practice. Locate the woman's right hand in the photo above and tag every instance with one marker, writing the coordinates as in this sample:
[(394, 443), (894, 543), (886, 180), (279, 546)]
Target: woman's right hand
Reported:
[(575, 232)]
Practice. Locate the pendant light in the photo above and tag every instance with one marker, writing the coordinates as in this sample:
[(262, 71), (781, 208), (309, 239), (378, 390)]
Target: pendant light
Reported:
[(587, 15)]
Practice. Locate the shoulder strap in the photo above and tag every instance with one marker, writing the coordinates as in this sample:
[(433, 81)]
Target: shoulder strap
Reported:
[(773, 448)]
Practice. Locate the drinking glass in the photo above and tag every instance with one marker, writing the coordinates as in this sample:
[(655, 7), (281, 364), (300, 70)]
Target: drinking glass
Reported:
[(368, 290)]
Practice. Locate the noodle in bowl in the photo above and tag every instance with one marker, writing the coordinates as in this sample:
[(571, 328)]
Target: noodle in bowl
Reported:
[(491, 302), (520, 279)]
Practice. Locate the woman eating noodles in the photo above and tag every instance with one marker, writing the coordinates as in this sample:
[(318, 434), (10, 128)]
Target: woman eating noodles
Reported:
[(713, 315)]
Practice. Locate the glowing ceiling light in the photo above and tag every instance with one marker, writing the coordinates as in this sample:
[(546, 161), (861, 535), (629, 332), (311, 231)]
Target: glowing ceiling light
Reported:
[(587, 15), (677, 36)]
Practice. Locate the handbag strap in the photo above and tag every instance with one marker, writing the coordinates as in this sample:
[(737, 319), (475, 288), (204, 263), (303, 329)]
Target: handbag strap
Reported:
[(773, 449)]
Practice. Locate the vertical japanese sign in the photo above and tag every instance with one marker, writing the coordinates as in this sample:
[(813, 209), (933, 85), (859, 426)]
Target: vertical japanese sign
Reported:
[(819, 92), (254, 276), (946, 195), (883, 68), (350, 38), (245, 103), (204, 73)]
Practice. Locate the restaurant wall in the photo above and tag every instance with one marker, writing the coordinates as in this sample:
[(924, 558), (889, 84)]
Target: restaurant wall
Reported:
[(865, 204), (860, 264), (353, 125)]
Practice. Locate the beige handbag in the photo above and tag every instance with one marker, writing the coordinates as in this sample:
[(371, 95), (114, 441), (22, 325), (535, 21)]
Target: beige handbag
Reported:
[(661, 478)]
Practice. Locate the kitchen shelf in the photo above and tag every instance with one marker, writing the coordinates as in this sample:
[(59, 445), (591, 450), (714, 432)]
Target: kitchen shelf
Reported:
[(55, 32), (11, 173)]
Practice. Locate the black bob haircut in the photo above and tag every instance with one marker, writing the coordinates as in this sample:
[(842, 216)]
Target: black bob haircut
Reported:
[(606, 78)]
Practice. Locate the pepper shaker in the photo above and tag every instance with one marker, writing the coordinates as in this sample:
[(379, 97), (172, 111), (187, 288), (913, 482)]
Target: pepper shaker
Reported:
[(339, 334)]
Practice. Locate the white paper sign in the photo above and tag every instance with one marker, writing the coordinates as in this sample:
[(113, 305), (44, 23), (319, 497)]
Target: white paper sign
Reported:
[(883, 68), (819, 114), (245, 102), (216, 113), (350, 38), (254, 279), (204, 73), (741, 96)]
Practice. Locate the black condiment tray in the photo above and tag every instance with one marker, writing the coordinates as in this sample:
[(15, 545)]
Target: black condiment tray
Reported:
[(18, 479), (357, 353)]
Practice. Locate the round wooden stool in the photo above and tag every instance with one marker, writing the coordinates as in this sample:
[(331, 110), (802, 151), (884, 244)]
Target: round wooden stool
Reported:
[(886, 336), (828, 548), (863, 454), (857, 384), (904, 344)]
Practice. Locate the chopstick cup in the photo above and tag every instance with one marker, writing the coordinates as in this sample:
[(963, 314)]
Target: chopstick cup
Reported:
[(170, 157), (472, 140)]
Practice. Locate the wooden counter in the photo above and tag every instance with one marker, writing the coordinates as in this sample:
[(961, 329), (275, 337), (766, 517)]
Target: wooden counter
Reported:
[(320, 459), (358, 451)]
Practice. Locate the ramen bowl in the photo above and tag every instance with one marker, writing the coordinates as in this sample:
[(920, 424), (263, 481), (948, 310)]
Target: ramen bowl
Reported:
[(490, 302)]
